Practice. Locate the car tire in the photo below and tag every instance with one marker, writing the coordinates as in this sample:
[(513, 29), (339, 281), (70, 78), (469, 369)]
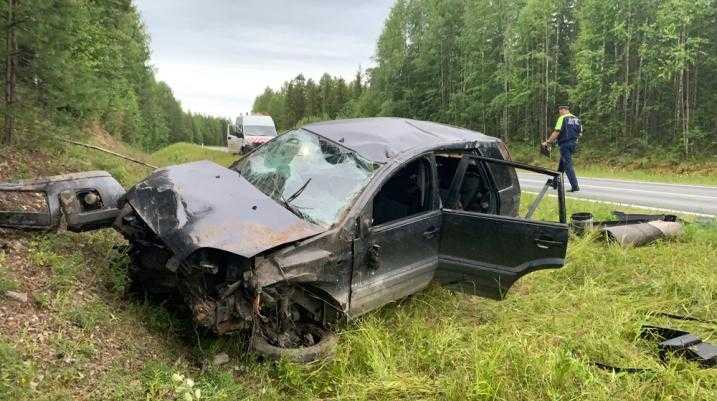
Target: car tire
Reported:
[(325, 348)]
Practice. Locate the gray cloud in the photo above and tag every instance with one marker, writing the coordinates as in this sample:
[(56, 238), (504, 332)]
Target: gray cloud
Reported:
[(217, 55)]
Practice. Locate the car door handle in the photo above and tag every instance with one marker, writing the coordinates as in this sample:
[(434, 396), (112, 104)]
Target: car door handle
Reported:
[(430, 233), (545, 243), (374, 256)]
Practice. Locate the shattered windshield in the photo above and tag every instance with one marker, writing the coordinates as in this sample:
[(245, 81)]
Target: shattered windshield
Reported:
[(314, 178)]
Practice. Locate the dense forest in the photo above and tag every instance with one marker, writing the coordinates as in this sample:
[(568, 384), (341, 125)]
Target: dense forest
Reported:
[(301, 100), (642, 74), (69, 63)]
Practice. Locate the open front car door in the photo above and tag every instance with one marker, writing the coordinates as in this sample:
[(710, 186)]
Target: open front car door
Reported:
[(484, 253)]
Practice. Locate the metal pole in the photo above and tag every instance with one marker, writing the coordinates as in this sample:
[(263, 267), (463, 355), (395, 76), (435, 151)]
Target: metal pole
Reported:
[(106, 151), (561, 199), (537, 200)]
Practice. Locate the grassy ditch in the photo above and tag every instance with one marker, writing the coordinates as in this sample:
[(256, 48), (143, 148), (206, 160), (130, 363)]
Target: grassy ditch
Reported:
[(81, 338), (187, 152)]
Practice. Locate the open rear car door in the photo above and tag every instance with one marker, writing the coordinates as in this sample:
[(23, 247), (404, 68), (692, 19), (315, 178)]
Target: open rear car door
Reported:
[(484, 254)]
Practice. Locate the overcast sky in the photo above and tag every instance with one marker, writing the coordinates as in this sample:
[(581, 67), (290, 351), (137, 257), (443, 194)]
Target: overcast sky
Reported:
[(218, 55)]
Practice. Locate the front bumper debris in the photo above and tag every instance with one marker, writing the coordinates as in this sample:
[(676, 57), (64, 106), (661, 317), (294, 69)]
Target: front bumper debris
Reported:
[(88, 200)]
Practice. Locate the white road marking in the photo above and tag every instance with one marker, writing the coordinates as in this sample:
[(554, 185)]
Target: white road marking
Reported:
[(630, 205), (663, 193), (640, 182)]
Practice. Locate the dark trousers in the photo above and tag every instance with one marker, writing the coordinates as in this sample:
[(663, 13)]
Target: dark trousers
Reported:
[(566, 163)]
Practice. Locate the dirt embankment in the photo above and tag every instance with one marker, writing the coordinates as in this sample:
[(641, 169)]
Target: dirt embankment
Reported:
[(70, 324)]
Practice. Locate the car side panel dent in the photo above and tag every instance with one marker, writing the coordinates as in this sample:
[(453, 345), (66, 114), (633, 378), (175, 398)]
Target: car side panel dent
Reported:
[(322, 263)]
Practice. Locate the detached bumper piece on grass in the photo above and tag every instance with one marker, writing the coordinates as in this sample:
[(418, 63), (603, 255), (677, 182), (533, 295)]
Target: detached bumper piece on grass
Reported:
[(673, 342), (683, 343), (629, 229)]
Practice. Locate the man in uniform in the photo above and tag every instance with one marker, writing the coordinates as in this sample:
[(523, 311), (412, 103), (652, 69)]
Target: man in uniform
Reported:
[(566, 133)]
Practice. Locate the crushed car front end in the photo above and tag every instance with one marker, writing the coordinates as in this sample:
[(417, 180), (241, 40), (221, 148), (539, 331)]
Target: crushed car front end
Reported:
[(248, 247), (198, 231)]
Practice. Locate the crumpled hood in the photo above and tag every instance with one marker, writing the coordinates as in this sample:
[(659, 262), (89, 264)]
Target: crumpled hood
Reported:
[(204, 205)]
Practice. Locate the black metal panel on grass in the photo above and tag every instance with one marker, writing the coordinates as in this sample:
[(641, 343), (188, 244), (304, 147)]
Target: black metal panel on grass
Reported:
[(88, 201)]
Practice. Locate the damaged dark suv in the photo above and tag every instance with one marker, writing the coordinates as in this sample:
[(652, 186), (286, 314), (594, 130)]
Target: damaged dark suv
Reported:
[(322, 223)]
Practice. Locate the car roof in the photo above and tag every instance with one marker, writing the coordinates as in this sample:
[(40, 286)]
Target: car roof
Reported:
[(383, 138)]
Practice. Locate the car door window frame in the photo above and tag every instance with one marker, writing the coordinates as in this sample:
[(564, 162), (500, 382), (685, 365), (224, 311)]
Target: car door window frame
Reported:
[(459, 176), (555, 176), (434, 202), (503, 247)]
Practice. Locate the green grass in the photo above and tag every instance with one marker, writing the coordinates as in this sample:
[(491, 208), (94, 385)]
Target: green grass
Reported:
[(46, 253), (87, 315), (653, 168), (15, 374), (7, 282), (185, 152), (539, 343)]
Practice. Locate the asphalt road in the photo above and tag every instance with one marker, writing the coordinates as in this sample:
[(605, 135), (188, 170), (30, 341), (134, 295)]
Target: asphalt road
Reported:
[(218, 148), (692, 199)]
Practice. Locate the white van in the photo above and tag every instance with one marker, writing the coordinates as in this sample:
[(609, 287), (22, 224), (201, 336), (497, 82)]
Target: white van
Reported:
[(251, 131), (235, 141)]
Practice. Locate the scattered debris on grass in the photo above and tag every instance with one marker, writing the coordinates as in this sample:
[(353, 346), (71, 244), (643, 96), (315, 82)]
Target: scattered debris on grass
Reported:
[(642, 233), (683, 343), (220, 359), (629, 229), (673, 342), (16, 296)]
